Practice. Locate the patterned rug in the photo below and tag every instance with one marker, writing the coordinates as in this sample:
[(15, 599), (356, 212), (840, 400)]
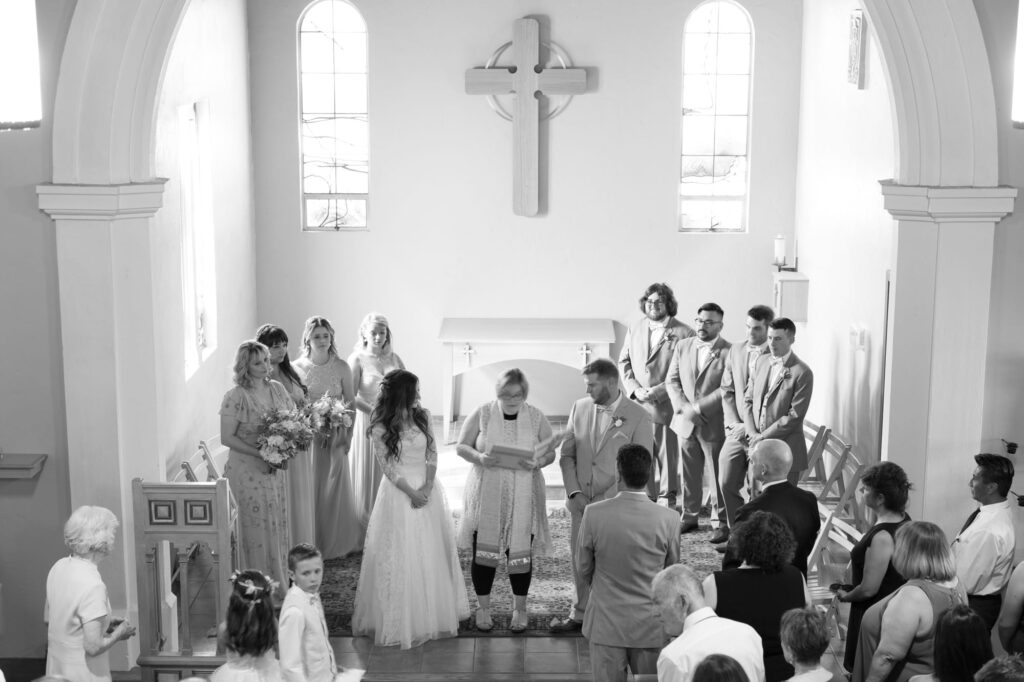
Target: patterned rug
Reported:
[(551, 591)]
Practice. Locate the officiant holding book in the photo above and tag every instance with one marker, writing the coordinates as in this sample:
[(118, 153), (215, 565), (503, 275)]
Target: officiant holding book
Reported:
[(508, 442)]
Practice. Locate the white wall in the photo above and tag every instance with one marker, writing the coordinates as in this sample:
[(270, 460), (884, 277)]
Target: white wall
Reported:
[(443, 240), (32, 415), (845, 235), (208, 62)]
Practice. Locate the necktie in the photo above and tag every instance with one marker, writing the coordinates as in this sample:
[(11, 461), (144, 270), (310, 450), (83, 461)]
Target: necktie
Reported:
[(970, 520)]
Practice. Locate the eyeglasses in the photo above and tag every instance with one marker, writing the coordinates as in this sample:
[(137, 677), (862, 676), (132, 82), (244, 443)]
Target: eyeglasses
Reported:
[(706, 323), (654, 302), (511, 396)]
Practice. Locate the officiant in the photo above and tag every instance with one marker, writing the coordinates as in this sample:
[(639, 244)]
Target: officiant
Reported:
[(504, 502)]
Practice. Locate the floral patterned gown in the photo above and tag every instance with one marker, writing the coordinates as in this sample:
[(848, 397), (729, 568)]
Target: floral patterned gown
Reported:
[(262, 496), (411, 587)]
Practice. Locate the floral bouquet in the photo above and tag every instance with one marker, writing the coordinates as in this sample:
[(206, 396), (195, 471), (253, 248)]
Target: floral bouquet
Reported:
[(327, 414), (282, 435)]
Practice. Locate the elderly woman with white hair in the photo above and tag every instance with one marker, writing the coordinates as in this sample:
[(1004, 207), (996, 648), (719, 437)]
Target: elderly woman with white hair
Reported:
[(80, 628)]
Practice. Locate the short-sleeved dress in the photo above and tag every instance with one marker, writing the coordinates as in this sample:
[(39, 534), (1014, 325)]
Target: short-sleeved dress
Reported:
[(261, 493), (920, 658), (891, 582), (366, 471), (75, 595)]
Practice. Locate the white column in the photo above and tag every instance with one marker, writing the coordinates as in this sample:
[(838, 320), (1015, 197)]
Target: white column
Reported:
[(938, 340), (107, 332)]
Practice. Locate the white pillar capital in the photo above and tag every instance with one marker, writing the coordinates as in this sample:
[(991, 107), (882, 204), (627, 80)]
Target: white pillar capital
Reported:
[(947, 204), (101, 202)]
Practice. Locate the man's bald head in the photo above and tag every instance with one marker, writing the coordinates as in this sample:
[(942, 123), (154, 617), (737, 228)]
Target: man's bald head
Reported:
[(772, 460)]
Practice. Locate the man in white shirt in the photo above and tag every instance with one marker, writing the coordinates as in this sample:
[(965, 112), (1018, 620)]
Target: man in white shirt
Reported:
[(983, 550), (698, 632)]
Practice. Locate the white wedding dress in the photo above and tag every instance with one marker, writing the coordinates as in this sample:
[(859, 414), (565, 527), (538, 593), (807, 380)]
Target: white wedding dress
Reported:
[(411, 587)]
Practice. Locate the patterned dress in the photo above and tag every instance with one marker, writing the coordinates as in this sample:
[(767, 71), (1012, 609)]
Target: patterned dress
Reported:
[(301, 491), (337, 524), (411, 587), (261, 493), (366, 471)]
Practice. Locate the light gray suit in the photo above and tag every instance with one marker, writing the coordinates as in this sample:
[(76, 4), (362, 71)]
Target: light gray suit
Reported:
[(645, 367), (778, 410), (701, 435), (590, 467), (624, 542)]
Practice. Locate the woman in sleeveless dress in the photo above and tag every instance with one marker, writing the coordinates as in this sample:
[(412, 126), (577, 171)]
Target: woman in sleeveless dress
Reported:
[(764, 587), (260, 489), (897, 634), (372, 358), (504, 510), (337, 526), (411, 588), (884, 488), (300, 468)]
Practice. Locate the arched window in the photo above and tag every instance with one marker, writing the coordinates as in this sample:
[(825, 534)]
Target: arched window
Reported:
[(335, 124), (717, 59)]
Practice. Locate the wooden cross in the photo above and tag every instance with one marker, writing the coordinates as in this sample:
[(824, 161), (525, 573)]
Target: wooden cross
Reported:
[(526, 79)]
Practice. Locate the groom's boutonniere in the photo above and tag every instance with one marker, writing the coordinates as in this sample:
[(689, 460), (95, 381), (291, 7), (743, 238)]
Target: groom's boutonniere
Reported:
[(786, 373), (618, 422)]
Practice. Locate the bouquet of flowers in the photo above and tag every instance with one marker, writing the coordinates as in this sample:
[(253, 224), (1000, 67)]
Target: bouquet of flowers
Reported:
[(282, 435), (327, 414)]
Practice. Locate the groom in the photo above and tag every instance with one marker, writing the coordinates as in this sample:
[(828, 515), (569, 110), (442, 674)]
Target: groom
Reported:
[(598, 426)]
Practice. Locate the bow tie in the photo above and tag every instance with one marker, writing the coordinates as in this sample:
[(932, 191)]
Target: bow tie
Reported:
[(657, 325), (755, 349), (314, 599), (606, 409), (778, 361), (704, 345)]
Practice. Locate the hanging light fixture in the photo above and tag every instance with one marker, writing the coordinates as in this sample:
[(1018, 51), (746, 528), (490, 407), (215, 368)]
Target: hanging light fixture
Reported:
[(1017, 104), (20, 92)]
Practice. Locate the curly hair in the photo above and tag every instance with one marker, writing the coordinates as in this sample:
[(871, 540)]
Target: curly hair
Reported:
[(90, 529), (244, 354), (665, 291), (890, 481), (250, 626), (271, 335), (396, 403), (764, 540)]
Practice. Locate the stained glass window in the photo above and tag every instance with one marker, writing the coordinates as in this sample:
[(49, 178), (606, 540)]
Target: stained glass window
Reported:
[(717, 59), (335, 124)]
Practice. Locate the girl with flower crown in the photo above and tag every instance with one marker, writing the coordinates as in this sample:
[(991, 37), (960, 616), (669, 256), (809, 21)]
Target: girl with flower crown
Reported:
[(249, 631)]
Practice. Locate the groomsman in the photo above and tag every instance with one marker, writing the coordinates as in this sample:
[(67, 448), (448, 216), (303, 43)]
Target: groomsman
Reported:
[(624, 543), (644, 363), (779, 395), (598, 426), (694, 382), (739, 369)]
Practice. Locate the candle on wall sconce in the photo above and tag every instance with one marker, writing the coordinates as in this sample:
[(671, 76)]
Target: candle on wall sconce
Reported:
[(780, 250)]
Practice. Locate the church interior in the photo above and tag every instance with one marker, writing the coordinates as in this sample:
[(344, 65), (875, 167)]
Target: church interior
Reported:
[(168, 169)]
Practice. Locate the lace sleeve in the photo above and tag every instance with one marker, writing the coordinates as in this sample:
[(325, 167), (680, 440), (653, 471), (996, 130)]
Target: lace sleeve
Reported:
[(380, 452), (431, 454)]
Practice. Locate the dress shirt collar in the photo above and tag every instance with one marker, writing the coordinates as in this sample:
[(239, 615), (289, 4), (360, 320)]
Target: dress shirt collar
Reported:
[(783, 360), (993, 508), (698, 616), (765, 486), (633, 493), (658, 325), (758, 349), (610, 407)]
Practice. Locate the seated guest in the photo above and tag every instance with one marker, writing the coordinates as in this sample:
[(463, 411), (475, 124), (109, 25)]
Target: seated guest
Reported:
[(1011, 629), (1002, 669), (884, 489), (962, 646), (897, 634), (805, 637), (624, 542), (719, 668), (770, 462), (765, 585), (983, 551), (698, 632)]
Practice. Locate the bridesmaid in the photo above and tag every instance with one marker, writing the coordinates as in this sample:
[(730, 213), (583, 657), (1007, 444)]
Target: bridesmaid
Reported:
[(337, 526), (372, 358), (260, 489), (300, 469)]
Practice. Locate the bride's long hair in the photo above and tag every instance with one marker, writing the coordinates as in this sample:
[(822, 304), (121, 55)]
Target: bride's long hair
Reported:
[(396, 403)]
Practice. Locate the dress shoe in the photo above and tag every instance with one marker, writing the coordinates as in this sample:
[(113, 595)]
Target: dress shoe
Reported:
[(483, 620), (519, 621), (687, 526), (720, 535), (565, 626)]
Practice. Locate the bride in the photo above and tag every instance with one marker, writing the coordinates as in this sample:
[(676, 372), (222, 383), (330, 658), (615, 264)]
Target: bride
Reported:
[(411, 587)]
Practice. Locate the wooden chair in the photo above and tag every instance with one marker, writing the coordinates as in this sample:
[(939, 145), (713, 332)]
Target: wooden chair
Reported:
[(815, 475), (819, 573), (839, 490)]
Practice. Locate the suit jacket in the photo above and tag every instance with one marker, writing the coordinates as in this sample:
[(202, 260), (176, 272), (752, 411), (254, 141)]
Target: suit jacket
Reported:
[(688, 383), (734, 383), (591, 467), (797, 507), (783, 405), (306, 653), (623, 544), (644, 367)]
